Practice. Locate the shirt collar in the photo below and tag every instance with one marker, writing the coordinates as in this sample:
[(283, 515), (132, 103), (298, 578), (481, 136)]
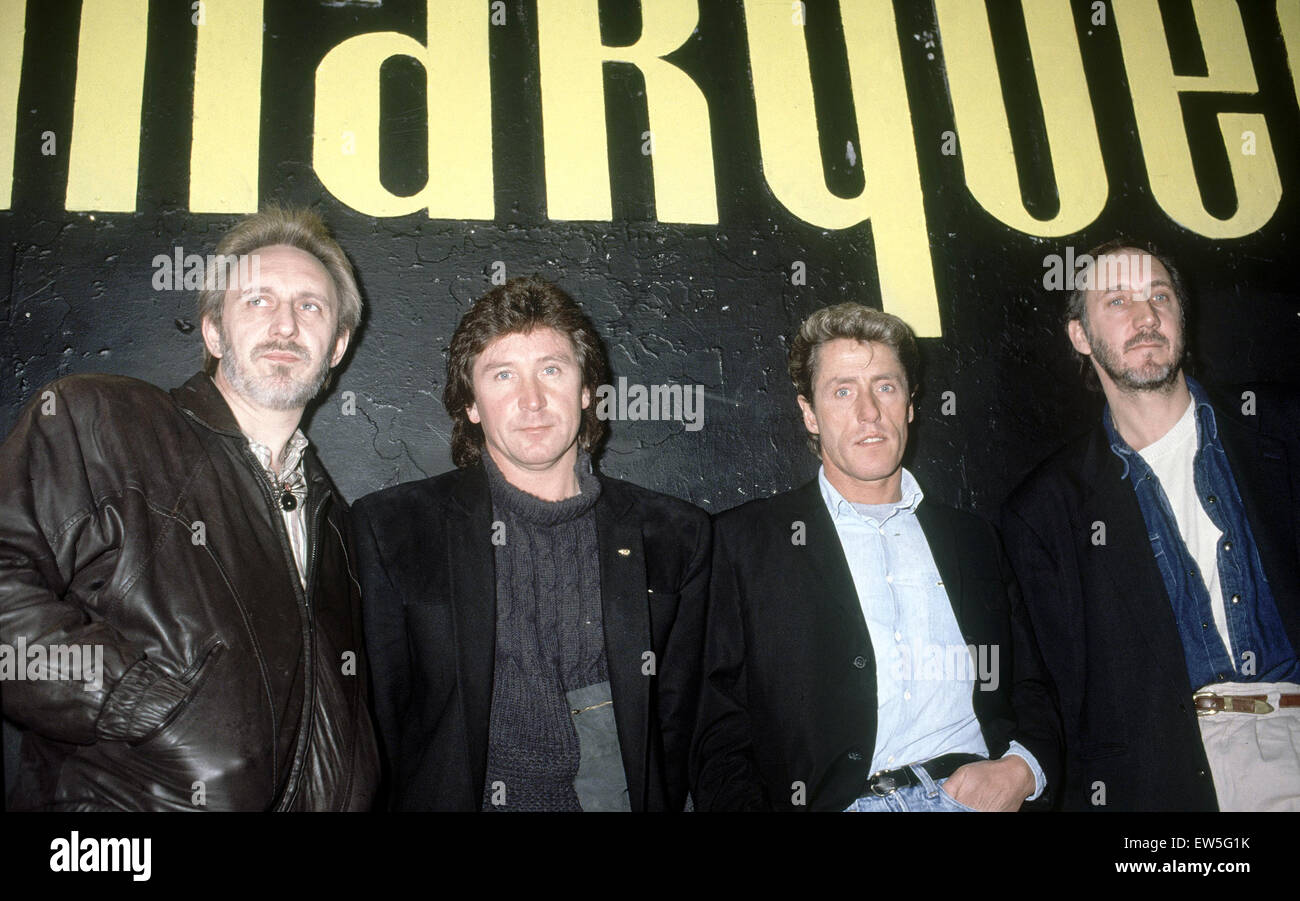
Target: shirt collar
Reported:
[(1205, 421), (1205, 425), (839, 507), (291, 467)]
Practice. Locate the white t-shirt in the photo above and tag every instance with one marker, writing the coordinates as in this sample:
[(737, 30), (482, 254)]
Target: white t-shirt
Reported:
[(1171, 458)]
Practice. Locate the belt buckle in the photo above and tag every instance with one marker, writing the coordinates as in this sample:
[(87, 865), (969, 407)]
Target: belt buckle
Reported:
[(1206, 711), (883, 784)]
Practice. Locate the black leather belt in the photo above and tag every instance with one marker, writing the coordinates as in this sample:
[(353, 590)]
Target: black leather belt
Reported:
[(889, 781)]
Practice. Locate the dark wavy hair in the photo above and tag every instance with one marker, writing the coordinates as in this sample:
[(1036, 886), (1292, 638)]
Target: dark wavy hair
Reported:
[(858, 323), (519, 306), (1076, 306)]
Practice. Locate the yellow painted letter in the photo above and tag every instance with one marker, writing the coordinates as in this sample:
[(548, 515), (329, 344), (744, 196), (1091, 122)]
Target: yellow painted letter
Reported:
[(104, 154), (986, 152), (13, 26), (573, 112), (788, 139), (1160, 123), (1288, 17), (346, 140), (227, 108)]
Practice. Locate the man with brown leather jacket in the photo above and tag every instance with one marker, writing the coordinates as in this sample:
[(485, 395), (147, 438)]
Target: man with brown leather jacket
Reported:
[(177, 602)]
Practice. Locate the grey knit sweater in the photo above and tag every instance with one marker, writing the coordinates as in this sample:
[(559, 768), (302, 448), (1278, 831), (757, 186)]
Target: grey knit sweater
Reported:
[(549, 640)]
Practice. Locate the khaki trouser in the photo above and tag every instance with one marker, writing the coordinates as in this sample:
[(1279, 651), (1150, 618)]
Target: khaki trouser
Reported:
[(1254, 757)]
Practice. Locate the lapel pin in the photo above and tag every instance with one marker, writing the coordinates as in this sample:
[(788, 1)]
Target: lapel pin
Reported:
[(624, 552)]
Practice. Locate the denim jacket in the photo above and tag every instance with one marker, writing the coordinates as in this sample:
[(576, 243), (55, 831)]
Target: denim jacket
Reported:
[(1260, 646)]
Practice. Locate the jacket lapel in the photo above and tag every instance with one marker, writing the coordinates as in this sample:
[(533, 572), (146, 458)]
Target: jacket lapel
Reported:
[(943, 548), (1126, 559), (473, 596), (1260, 467), (625, 612), (818, 574), (830, 566)]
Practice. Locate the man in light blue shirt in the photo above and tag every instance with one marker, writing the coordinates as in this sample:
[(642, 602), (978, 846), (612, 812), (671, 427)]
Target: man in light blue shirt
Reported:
[(866, 649)]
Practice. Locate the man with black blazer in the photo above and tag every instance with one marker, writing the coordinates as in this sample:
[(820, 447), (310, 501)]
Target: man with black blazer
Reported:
[(864, 649), (1159, 562), (534, 627)]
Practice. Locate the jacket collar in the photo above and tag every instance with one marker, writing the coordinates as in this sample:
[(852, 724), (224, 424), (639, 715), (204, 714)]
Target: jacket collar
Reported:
[(471, 494), (200, 400)]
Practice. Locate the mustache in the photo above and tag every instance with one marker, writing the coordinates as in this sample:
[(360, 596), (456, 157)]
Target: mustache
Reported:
[(1146, 337), (271, 347)]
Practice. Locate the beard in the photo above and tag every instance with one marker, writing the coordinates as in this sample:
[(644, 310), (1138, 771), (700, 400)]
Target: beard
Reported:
[(1147, 376), (279, 390)]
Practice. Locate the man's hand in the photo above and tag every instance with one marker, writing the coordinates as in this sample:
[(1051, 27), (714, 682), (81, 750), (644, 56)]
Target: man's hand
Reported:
[(997, 785)]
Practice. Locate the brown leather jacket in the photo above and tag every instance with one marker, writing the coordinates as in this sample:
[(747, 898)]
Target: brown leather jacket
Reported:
[(140, 523)]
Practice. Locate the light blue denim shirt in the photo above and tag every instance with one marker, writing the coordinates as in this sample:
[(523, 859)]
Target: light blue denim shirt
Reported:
[(925, 674)]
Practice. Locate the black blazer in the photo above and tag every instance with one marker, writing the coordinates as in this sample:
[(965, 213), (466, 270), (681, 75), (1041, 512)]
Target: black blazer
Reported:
[(789, 691), (429, 605), (1104, 620)]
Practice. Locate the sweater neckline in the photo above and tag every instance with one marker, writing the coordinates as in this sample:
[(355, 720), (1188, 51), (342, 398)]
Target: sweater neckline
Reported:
[(537, 510)]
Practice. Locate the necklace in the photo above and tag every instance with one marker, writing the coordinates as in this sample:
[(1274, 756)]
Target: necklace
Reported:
[(287, 488)]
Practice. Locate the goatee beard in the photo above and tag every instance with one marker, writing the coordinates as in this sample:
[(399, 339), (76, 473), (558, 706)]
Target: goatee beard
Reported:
[(278, 390), (1130, 380)]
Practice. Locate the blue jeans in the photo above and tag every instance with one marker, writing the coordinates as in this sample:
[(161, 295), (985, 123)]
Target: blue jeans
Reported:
[(928, 797)]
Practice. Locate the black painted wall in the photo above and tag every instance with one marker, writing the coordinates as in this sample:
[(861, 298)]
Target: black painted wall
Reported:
[(680, 304)]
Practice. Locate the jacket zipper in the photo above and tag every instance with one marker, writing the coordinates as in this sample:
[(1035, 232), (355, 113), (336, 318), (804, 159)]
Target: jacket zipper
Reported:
[(304, 609), (309, 647)]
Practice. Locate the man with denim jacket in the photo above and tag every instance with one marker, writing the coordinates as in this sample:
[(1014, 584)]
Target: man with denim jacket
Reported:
[(1158, 559)]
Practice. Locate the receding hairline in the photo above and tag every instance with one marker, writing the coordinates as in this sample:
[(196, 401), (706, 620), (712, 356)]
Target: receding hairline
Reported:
[(334, 296), (1166, 280), (1126, 251)]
